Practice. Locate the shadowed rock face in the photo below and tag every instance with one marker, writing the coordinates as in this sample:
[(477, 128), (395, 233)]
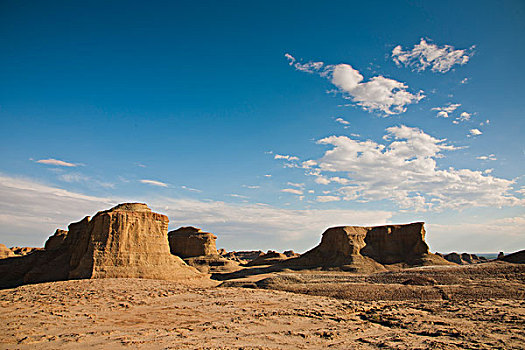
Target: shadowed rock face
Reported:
[(464, 258), (127, 241), (198, 249), (54, 242), (517, 257), (188, 242), (367, 249)]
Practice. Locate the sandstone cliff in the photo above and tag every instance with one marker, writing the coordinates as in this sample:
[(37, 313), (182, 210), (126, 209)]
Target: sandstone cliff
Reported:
[(368, 249), (198, 249), (5, 252), (128, 240), (189, 241)]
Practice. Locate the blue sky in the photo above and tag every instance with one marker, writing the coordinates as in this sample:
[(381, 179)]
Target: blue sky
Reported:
[(266, 122)]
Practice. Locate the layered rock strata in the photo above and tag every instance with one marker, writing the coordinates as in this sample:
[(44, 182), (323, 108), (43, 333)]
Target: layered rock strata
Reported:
[(127, 241), (198, 249), (369, 249), (189, 241)]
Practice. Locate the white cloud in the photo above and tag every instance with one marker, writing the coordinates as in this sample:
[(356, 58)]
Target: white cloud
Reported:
[(56, 162), (251, 187), (300, 185), (475, 132), (153, 183), (234, 195), (321, 180), (489, 157), (405, 171), (308, 164), (189, 189), (445, 111), (73, 177), (425, 55), (292, 190), (464, 81), (287, 157), (377, 94), (324, 199), (342, 121), (267, 175), (34, 211)]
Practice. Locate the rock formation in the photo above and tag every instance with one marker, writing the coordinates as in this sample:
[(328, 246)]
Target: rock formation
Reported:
[(54, 242), (128, 240), (5, 252), (189, 241), (243, 256), (21, 251), (517, 257), (198, 249), (272, 257), (464, 258), (367, 249)]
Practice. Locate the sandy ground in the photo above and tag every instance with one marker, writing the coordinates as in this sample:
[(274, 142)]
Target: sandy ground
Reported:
[(151, 314)]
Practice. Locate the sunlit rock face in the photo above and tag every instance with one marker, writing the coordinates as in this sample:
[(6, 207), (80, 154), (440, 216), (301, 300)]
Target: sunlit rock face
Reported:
[(368, 249), (189, 241), (128, 241)]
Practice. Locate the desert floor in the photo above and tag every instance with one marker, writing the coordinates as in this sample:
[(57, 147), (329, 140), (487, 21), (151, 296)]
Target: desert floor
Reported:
[(152, 314)]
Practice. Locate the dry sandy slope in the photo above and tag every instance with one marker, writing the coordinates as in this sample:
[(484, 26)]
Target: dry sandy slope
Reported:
[(132, 313)]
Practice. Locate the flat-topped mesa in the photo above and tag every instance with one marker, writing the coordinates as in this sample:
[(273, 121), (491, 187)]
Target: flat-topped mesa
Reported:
[(127, 241), (198, 249), (367, 249), (392, 244), (190, 241)]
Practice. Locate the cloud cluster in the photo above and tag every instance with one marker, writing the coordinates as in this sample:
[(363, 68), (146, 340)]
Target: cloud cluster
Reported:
[(405, 171), (444, 112), (425, 55), (377, 94)]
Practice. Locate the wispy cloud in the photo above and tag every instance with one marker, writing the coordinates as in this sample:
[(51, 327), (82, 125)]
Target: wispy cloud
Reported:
[(56, 162), (234, 195), (292, 190), (346, 123), (190, 189), (287, 157), (425, 55), (381, 94), (154, 183), (324, 199), (251, 187), (489, 157)]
